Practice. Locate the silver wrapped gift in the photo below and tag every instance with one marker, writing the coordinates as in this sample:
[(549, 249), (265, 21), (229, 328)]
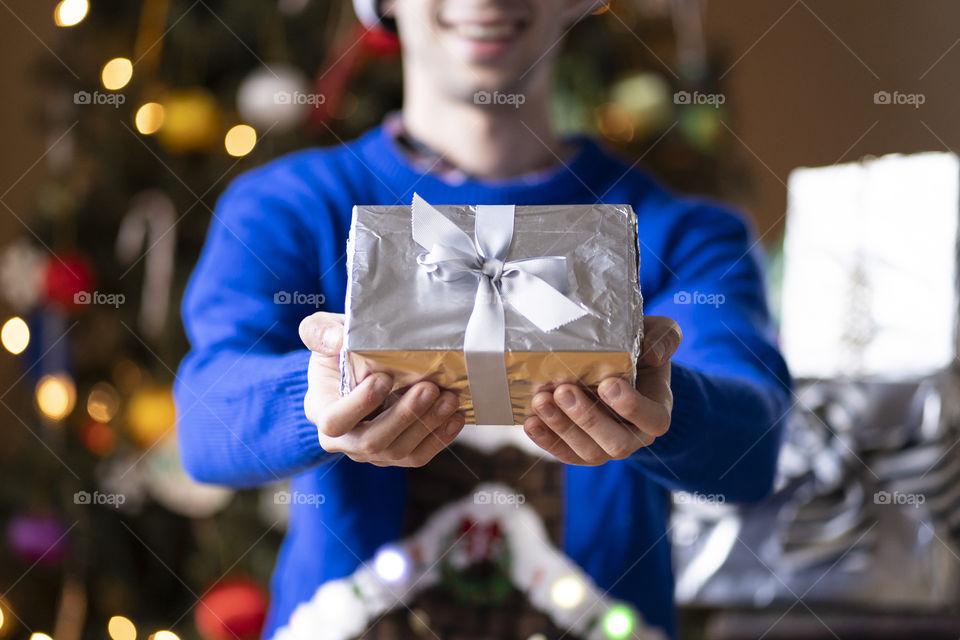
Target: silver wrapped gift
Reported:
[(494, 303)]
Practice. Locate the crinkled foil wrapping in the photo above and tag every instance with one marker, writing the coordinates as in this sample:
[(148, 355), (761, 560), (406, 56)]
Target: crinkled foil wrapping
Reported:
[(402, 321)]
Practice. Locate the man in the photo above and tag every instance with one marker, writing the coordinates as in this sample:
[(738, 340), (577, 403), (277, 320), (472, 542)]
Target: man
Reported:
[(256, 407)]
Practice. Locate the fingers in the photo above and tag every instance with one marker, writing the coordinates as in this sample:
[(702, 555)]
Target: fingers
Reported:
[(439, 425), (661, 338), (339, 416), (436, 441), (410, 413), (322, 332), (616, 439), (548, 408), (545, 438), (646, 414)]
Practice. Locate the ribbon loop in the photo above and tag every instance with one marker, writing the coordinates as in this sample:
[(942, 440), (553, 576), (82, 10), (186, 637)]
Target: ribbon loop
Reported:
[(534, 287)]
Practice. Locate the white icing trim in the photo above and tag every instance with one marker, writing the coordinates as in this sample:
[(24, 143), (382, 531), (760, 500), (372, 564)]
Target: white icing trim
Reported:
[(490, 438), (342, 609)]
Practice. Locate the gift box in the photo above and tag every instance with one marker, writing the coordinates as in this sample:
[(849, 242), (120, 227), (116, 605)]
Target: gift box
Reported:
[(492, 302), (870, 267)]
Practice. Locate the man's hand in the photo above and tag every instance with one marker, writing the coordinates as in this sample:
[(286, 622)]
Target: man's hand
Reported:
[(577, 428), (407, 434)]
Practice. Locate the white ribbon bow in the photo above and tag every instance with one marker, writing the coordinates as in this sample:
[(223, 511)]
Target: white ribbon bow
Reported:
[(533, 287)]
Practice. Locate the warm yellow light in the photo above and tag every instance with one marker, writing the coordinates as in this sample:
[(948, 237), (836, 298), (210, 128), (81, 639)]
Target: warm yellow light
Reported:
[(70, 12), (567, 592), (121, 628), (56, 396), (165, 635), (116, 73), (103, 402), (15, 335), (1, 618), (39, 636), (149, 118), (240, 140)]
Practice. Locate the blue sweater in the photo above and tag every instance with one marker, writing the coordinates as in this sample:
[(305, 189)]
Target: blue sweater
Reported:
[(283, 227)]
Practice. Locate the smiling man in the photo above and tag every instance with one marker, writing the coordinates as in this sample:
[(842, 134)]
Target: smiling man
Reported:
[(386, 490)]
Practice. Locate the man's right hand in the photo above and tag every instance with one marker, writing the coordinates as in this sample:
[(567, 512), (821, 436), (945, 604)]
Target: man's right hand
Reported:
[(407, 434)]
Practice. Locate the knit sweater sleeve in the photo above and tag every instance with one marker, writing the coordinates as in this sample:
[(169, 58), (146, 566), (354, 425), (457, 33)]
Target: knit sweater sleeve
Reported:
[(730, 384), (239, 392)]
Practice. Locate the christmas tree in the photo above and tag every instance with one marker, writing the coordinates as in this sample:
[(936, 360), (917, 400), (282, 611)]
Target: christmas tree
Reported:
[(151, 109)]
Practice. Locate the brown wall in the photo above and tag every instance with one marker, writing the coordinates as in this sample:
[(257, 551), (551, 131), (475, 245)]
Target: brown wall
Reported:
[(799, 96)]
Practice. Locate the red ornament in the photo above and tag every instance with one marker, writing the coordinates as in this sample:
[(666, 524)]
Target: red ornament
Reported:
[(98, 437), (68, 281), (346, 58), (380, 42), (235, 608)]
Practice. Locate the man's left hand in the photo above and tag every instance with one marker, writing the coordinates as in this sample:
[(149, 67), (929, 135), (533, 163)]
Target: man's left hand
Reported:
[(578, 428)]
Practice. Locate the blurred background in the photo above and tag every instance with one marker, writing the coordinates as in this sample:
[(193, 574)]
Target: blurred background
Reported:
[(123, 121)]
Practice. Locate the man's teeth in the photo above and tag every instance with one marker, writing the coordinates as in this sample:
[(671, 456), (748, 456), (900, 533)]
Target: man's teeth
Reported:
[(500, 31)]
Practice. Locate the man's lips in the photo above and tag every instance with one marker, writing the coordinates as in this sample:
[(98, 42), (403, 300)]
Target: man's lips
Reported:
[(484, 38), (489, 31)]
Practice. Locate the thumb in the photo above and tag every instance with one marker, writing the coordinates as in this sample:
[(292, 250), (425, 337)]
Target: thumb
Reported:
[(322, 332), (661, 338)]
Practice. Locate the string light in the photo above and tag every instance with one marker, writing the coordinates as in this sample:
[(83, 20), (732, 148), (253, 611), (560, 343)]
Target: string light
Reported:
[(149, 118), (618, 623), (15, 335), (567, 592), (121, 628), (70, 12), (39, 636), (240, 140), (56, 396), (390, 564), (116, 73), (165, 635), (103, 402), (8, 619)]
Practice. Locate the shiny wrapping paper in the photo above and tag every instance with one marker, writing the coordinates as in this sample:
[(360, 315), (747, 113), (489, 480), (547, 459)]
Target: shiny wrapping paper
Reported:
[(402, 321)]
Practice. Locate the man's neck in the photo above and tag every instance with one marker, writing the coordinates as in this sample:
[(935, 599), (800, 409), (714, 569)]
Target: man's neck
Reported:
[(485, 140)]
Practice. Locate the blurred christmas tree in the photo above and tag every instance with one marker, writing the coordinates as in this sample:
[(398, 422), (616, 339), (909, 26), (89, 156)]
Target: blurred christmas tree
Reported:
[(151, 108)]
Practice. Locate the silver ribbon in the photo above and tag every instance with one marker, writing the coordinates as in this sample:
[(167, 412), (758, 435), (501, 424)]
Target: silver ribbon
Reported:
[(533, 287)]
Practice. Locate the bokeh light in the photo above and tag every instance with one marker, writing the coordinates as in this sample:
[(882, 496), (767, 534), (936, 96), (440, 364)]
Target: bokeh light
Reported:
[(116, 73), (618, 623), (56, 396), (149, 118), (121, 628), (240, 140), (70, 12), (567, 592), (390, 564), (103, 402), (15, 335)]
